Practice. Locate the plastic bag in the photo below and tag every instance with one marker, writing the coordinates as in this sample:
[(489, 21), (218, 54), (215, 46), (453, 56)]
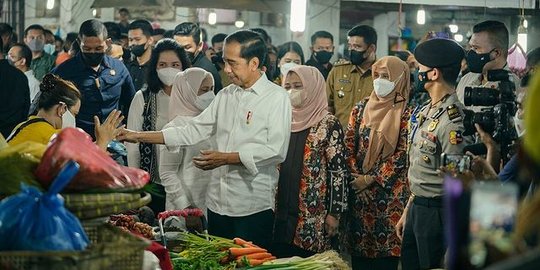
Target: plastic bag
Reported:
[(99, 172), (17, 164), (32, 220), (517, 60)]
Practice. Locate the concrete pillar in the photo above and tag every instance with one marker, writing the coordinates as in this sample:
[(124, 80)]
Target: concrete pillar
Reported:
[(321, 15), (386, 26)]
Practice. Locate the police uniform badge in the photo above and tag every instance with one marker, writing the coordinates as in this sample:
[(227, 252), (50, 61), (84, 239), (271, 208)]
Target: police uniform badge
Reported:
[(455, 137), (433, 125)]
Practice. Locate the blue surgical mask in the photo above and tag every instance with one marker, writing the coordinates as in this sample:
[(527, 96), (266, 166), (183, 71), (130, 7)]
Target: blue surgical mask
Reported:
[(49, 48)]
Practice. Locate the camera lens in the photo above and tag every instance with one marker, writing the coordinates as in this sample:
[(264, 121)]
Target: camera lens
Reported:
[(486, 119), (479, 96)]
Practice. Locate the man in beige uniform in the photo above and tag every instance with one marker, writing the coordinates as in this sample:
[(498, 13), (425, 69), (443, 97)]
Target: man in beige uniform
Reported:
[(350, 82), (489, 50), (437, 128)]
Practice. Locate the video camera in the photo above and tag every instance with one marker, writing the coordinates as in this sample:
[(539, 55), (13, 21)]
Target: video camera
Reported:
[(496, 120)]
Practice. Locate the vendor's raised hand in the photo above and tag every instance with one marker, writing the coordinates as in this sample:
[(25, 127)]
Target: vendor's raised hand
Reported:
[(108, 131), (209, 160)]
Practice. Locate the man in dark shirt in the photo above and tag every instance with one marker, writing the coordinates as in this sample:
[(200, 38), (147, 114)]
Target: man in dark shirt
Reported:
[(104, 82), (14, 94), (188, 35), (140, 43), (322, 50), (124, 20)]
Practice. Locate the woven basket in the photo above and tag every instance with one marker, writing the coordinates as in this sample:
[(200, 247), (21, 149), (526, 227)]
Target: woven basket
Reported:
[(102, 205), (110, 248)]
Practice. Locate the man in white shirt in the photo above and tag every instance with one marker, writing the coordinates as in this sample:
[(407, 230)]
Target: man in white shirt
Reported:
[(251, 120), (489, 50), (20, 56)]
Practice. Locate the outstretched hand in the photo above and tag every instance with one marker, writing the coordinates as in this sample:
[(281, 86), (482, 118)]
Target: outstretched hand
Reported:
[(110, 128)]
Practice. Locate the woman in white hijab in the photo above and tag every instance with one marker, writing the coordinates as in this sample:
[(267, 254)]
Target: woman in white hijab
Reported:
[(186, 185)]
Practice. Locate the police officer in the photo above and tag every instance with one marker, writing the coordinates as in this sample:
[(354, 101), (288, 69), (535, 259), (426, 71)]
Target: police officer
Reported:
[(436, 128), (350, 82)]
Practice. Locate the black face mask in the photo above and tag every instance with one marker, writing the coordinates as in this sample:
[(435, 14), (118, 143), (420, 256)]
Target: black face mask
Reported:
[(323, 57), (357, 57), (422, 80), (191, 56), (218, 58), (476, 62), (138, 50), (93, 59)]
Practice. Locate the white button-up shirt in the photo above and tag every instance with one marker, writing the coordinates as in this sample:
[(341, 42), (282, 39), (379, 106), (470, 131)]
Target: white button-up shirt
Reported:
[(33, 84), (254, 122)]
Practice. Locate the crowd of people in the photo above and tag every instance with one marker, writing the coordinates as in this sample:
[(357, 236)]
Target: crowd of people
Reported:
[(297, 154)]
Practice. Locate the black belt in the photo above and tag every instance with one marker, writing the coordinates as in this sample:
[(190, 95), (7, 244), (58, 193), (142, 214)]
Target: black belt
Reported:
[(436, 202)]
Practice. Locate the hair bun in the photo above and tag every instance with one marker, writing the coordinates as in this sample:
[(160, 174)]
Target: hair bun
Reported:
[(48, 83)]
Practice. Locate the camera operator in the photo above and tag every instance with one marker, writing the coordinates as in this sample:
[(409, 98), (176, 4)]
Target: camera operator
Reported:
[(488, 51), (485, 169), (437, 128)]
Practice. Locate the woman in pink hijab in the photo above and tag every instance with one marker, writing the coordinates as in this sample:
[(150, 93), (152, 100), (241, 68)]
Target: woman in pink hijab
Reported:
[(186, 185), (312, 188)]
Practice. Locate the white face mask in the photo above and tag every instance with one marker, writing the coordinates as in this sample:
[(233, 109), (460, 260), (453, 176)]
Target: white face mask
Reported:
[(384, 87), (49, 48), (68, 120), (166, 75), (296, 97), (286, 67), (203, 101), (519, 124)]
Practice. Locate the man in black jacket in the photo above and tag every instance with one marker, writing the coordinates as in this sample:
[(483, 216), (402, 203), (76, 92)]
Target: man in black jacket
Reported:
[(15, 95), (188, 35)]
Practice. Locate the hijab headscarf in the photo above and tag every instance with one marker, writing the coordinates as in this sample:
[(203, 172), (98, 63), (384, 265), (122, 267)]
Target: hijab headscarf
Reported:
[(532, 120), (383, 114), (184, 92), (314, 105)]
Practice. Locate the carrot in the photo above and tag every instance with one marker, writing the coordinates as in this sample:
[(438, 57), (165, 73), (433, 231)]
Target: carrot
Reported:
[(255, 262), (244, 243), (236, 252), (259, 256)]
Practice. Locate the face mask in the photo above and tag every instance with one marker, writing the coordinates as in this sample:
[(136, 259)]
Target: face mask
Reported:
[(191, 56), (519, 124), (286, 67), (384, 87), (203, 101), (49, 48), (138, 50), (476, 62), (36, 45), (422, 82), (68, 120), (357, 57), (323, 57), (166, 75), (218, 58), (93, 59), (296, 97)]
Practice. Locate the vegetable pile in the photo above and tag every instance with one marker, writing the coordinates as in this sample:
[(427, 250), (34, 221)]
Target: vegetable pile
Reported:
[(127, 223), (322, 261), (207, 252)]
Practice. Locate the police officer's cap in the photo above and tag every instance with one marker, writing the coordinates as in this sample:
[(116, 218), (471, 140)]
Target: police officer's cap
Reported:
[(439, 52)]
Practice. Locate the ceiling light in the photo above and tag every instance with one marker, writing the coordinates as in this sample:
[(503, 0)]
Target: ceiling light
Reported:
[(239, 24), (421, 16), (458, 37), (212, 18), (50, 4), (298, 15)]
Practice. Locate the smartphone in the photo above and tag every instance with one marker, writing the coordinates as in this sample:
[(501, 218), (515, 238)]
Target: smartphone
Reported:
[(459, 163), (491, 219)]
